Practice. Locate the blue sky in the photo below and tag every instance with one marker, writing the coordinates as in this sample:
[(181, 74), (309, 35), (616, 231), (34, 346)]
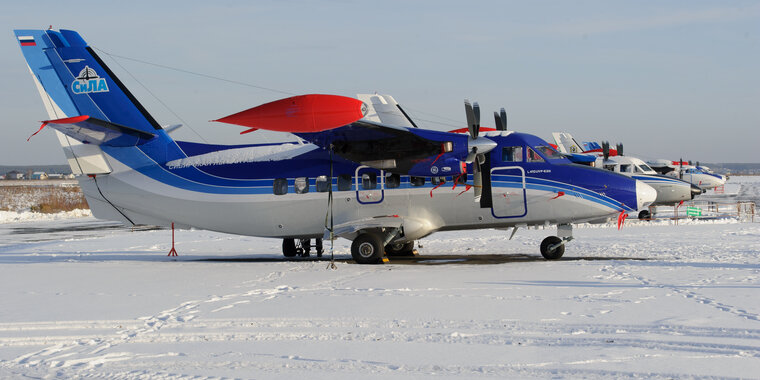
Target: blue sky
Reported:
[(668, 79)]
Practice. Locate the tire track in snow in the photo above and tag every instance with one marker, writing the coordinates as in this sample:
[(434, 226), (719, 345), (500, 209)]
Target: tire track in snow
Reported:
[(86, 353), (686, 293)]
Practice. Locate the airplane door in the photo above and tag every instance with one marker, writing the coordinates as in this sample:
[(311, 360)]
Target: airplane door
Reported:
[(508, 192), (369, 184)]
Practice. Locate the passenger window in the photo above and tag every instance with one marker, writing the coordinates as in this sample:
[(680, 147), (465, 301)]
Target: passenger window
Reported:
[(512, 154), (369, 181), (392, 180), (301, 185), (533, 156), (610, 167), (417, 181), (344, 182), (322, 184), (280, 186), (438, 180)]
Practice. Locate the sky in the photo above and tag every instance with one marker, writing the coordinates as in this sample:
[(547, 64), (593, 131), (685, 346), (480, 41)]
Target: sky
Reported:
[(676, 79)]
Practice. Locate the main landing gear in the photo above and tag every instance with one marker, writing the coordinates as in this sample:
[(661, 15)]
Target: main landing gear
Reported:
[(370, 246), (400, 249), (301, 247), (553, 247)]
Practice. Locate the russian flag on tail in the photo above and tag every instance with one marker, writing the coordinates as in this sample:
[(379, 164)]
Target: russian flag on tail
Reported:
[(27, 41)]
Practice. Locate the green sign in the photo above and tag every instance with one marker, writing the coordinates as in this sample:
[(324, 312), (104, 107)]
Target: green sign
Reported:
[(693, 211)]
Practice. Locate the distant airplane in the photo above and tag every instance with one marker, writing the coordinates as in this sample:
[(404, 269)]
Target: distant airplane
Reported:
[(697, 174), (381, 184), (669, 190)]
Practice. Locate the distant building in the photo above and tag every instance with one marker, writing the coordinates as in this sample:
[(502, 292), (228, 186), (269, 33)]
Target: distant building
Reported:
[(39, 175), (55, 176), (13, 174), (70, 176)]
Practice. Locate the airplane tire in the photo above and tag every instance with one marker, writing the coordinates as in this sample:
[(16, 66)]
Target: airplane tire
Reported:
[(552, 254), (400, 249), (367, 248), (645, 215), (289, 248), (320, 249)]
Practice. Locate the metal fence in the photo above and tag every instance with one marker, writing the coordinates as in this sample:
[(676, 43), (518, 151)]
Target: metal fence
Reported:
[(743, 211)]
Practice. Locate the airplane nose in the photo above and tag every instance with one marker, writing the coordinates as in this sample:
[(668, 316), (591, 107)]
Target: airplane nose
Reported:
[(645, 194), (695, 190)]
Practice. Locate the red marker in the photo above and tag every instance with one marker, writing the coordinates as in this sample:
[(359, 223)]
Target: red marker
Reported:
[(303, 113)]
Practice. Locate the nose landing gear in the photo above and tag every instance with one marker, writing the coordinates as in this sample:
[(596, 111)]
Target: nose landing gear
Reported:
[(553, 247)]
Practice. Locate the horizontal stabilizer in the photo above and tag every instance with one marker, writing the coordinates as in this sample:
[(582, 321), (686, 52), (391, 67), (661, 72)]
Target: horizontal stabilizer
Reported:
[(90, 130)]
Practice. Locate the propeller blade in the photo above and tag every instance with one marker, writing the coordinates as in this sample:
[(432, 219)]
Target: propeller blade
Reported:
[(606, 149), (477, 181), (503, 115), (497, 121), (619, 149), (476, 110), (470, 113)]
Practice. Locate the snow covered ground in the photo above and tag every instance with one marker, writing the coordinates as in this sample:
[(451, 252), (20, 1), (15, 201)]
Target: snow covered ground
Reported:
[(85, 298)]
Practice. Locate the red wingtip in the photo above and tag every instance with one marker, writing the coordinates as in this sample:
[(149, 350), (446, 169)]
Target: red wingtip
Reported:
[(68, 120), (303, 113)]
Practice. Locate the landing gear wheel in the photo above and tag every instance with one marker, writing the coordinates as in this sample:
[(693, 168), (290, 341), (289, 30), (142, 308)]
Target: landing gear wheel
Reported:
[(319, 248), (289, 248), (400, 249), (367, 248), (554, 254), (305, 247)]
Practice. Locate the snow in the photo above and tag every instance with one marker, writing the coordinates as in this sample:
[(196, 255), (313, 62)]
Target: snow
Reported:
[(26, 216), (248, 154), (83, 298)]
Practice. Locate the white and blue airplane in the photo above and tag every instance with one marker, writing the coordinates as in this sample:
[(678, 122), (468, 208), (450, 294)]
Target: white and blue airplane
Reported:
[(383, 186), (697, 174), (670, 190)]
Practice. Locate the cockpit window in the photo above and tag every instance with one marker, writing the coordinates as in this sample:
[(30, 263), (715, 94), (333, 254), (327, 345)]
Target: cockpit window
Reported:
[(532, 156), (644, 168), (512, 154), (625, 168), (548, 152)]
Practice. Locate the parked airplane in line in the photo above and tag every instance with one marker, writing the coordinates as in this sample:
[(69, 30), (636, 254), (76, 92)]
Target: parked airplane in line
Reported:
[(382, 186), (698, 175), (669, 190)]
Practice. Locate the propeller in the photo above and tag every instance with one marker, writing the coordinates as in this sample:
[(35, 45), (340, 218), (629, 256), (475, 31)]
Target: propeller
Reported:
[(680, 168), (501, 120), (606, 149), (477, 146), (619, 148)]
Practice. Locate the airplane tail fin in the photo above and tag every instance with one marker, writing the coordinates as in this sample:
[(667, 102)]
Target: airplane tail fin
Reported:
[(566, 143), (73, 81)]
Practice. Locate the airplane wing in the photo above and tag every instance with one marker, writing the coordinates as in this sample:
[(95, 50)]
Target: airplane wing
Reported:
[(337, 126), (396, 149)]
